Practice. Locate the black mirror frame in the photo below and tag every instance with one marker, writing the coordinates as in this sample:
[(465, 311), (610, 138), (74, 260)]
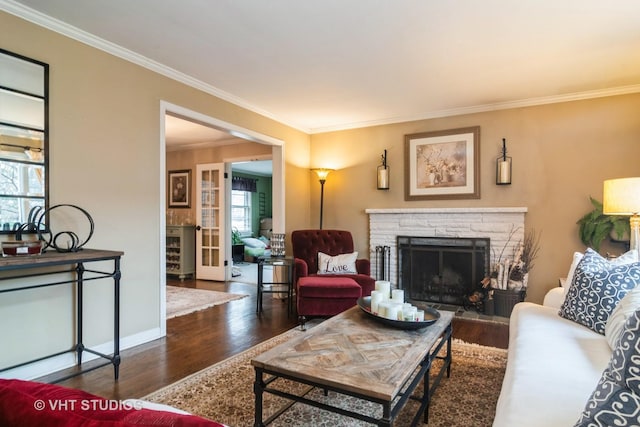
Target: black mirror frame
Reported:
[(45, 131)]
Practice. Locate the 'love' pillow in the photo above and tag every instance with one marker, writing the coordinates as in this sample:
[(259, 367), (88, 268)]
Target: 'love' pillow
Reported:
[(339, 264)]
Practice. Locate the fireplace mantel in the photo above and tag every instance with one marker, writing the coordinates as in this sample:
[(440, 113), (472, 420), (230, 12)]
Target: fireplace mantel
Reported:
[(445, 210)]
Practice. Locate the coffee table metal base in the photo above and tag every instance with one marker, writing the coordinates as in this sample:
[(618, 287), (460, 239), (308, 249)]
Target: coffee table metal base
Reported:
[(390, 409)]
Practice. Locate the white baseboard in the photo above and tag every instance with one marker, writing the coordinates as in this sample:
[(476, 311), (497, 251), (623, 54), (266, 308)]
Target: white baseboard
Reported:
[(67, 360)]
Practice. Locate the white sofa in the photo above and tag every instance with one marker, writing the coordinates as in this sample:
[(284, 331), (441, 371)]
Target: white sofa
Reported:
[(553, 366)]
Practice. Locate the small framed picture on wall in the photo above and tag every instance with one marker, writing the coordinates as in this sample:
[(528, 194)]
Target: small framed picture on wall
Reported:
[(179, 188)]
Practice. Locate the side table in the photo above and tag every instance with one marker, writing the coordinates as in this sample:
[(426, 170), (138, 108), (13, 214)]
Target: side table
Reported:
[(284, 286)]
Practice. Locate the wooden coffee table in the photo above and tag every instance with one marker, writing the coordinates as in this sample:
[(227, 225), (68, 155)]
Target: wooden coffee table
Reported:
[(355, 355)]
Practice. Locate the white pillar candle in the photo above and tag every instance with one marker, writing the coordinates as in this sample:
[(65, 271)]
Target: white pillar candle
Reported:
[(420, 316), (409, 314), (383, 307), (394, 312), (397, 295), (376, 298), (383, 286)]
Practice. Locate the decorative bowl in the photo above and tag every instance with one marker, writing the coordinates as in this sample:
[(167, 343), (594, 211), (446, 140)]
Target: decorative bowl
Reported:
[(21, 247), (431, 315)]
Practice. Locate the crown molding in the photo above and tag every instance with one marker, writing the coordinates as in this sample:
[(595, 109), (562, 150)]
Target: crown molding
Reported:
[(70, 31), (530, 102), (82, 36)]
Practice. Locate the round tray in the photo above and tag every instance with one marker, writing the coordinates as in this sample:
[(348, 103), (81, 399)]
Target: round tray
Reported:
[(431, 315)]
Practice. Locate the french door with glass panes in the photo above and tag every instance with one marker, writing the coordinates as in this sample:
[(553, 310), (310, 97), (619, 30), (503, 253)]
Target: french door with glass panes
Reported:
[(210, 223)]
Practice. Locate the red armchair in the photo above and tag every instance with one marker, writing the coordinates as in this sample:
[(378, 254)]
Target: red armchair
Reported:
[(330, 294)]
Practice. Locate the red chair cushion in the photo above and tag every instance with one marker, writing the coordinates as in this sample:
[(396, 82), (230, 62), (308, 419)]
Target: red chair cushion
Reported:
[(328, 287)]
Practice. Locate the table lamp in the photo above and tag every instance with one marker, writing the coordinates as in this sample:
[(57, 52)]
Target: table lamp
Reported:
[(622, 197)]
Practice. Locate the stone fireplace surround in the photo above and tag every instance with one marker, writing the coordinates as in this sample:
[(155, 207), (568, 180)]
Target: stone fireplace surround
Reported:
[(385, 225)]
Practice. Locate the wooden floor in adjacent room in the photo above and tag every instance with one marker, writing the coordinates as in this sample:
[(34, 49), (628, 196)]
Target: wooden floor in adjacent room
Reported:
[(198, 340)]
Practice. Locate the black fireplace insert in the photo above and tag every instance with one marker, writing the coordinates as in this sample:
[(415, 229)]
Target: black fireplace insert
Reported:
[(442, 269)]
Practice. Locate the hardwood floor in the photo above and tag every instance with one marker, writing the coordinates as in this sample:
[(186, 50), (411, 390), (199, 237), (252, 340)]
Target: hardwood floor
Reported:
[(200, 339)]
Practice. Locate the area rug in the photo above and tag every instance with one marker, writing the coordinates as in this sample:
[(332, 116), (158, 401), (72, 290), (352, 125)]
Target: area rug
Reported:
[(224, 392), (181, 301)]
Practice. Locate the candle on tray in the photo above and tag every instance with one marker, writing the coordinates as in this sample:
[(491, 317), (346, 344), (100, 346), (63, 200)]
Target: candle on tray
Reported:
[(383, 286), (383, 307), (394, 312), (397, 295), (376, 298), (409, 313), (420, 316)]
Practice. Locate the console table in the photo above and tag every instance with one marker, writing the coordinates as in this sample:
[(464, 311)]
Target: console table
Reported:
[(18, 267)]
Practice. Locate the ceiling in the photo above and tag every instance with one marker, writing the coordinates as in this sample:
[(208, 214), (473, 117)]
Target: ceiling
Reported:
[(182, 134), (335, 64)]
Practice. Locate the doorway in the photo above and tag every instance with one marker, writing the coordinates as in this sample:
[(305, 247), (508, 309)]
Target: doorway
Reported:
[(251, 215), (232, 132)]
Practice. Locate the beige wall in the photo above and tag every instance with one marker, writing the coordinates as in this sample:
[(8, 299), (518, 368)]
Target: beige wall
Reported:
[(561, 155), (105, 157)]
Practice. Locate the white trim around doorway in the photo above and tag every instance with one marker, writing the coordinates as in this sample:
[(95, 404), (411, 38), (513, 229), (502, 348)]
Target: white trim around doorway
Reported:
[(278, 179)]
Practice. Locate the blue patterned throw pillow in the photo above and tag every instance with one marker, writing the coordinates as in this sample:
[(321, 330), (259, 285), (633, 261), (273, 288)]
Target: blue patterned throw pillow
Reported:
[(616, 399), (597, 287)]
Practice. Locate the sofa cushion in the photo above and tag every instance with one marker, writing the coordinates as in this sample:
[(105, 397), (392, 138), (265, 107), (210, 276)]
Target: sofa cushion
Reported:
[(577, 257), (553, 366), (626, 258), (596, 289), (254, 243), (616, 399), (615, 325), (339, 264)]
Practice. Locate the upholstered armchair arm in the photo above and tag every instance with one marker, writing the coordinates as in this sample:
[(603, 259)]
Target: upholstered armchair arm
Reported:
[(301, 268), (363, 266)]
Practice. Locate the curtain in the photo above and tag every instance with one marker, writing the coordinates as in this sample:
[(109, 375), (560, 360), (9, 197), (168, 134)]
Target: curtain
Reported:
[(244, 184)]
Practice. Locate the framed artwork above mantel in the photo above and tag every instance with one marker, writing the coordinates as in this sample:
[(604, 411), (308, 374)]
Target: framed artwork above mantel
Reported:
[(443, 164)]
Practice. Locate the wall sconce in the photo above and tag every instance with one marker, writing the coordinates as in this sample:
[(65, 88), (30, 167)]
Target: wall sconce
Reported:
[(322, 176), (383, 173), (503, 166)]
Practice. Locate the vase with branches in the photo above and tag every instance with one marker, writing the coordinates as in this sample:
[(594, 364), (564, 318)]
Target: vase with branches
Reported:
[(513, 272)]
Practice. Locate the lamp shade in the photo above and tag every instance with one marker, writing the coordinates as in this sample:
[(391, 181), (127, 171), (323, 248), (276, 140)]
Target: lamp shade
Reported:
[(621, 196), (322, 173)]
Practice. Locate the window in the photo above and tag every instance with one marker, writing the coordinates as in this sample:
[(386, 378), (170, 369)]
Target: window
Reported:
[(241, 211)]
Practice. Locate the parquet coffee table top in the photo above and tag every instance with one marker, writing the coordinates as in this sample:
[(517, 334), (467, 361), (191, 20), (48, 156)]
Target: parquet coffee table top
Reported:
[(355, 353)]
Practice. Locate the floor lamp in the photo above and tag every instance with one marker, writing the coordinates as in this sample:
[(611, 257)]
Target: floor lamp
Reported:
[(622, 197), (322, 175)]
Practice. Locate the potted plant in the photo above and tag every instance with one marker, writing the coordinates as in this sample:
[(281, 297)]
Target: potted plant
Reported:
[(237, 246), (595, 226)]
